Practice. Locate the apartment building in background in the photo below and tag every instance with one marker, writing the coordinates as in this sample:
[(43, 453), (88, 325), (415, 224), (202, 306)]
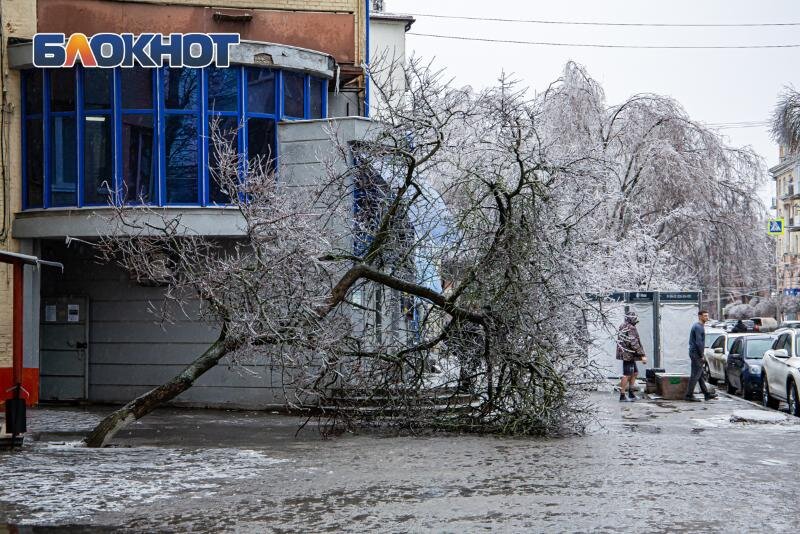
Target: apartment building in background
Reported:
[(75, 139), (787, 206)]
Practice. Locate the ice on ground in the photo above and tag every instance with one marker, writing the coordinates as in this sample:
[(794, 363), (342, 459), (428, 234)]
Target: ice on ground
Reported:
[(758, 416), (71, 482)]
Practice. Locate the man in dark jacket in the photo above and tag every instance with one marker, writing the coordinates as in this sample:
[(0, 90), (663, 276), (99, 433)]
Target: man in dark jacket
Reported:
[(697, 345), (739, 327), (629, 350)]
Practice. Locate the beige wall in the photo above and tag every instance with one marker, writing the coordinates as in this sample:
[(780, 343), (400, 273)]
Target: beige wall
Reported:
[(18, 20)]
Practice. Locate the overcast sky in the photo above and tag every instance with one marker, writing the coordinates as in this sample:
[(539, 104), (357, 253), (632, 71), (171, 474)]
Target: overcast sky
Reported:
[(714, 86)]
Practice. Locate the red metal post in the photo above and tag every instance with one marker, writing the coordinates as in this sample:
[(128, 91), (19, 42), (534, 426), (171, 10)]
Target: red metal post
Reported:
[(17, 332)]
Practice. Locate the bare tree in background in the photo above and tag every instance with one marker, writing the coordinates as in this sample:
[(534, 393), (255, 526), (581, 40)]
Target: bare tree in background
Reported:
[(436, 275)]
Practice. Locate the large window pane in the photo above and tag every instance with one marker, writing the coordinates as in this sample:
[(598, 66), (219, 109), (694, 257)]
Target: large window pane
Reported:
[(97, 88), (223, 88), (317, 87), (98, 169), (33, 91), (137, 88), (261, 139), (181, 88), (292, 94), (62, 90), (34, 158), (64, 162), (181, 158), (138, 163), (260, 90), (226, 132)]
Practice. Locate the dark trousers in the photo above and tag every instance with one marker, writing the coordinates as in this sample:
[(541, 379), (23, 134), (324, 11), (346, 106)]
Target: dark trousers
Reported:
[(697, 375)]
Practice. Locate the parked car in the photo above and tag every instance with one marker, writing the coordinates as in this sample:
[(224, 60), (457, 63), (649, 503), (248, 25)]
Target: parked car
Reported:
[(790, 324), (743, 367), (716, 355), (781, 372), (765, 324)]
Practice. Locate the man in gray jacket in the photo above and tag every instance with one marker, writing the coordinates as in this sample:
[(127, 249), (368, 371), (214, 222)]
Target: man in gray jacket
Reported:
[(697, 344)]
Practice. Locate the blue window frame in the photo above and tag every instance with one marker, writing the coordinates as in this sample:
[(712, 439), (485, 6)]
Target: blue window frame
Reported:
[(94, 136)]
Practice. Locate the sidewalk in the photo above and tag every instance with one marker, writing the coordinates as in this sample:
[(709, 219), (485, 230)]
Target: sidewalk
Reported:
[(650, 466)]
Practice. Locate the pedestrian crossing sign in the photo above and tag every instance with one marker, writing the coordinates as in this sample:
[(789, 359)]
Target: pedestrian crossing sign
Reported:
[(776, 227)]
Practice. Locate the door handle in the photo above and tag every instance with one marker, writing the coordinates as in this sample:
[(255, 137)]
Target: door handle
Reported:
[(81, 345)]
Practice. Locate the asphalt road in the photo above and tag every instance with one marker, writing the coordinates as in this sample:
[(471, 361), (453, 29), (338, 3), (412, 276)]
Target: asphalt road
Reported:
[(654, 466)]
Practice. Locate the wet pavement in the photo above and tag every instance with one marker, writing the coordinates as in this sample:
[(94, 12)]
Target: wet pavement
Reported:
[(654, 466)]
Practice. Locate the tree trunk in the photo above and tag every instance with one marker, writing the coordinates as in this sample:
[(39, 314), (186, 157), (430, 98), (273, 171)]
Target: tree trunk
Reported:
[(141, 406)]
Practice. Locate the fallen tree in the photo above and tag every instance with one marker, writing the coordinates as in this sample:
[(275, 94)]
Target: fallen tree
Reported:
[(440, 279)]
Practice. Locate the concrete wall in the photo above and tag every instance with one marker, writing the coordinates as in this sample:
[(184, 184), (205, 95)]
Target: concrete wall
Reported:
[(130, 351), (387, 57)]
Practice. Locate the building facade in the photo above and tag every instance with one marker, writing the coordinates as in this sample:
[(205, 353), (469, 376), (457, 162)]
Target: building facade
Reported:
[(74, 140), (787, 207)]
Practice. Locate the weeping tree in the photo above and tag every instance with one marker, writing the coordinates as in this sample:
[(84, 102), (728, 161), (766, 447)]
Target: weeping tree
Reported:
[(680, 201), (786, 120)]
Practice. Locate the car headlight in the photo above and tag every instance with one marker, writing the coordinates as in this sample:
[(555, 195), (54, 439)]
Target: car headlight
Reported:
[(755, 369)]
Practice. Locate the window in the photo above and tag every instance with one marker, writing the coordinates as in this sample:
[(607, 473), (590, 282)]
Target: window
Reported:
[(138, 158), (136, 86), (318, 97), (260, 140), (180, 149), (220, 176), (138, 154), (223, 89), (260, 90), (63, 132), (719, 342), (92, 136), (97, 160), (97, 89), (33, 92), (293, 94), (98, 137), (34, 163), (181, 88), (756, 348), (62, 90), (181, 99)]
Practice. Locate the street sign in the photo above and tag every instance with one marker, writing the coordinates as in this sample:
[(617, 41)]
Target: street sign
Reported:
[(776, 227)]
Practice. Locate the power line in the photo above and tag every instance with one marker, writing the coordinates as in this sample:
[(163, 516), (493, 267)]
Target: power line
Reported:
[(587, 23), (594, 45)]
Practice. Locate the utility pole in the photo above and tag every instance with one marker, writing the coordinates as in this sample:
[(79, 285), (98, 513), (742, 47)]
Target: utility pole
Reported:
[(719, 291)]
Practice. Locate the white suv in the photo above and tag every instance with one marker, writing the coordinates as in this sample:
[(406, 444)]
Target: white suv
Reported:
[(781, 371)]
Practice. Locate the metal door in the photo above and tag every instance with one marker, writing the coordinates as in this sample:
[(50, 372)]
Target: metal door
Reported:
[(64, 349)]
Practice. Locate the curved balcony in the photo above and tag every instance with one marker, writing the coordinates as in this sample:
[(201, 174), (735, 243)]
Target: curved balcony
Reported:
[(94, 136)]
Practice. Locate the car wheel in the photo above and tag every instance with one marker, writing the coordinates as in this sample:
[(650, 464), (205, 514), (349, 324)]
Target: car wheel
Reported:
[(728, 387), (766, 398), (793, 400)]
